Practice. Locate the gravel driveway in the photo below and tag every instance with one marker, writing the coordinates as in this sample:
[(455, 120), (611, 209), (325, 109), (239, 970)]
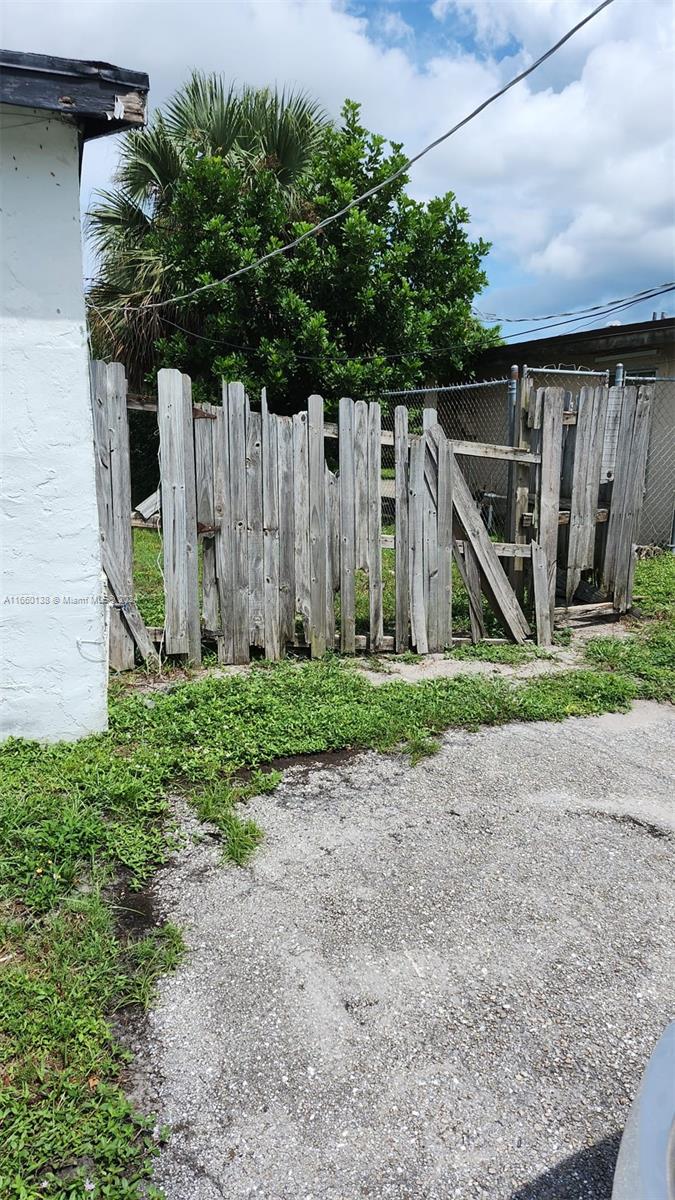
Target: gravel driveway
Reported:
[(432, 982)]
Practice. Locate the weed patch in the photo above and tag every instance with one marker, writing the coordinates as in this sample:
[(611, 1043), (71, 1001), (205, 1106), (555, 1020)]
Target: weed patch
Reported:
[(71, 816)]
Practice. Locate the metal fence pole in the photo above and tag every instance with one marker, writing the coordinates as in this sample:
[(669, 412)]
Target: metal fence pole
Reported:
[(619, 375)]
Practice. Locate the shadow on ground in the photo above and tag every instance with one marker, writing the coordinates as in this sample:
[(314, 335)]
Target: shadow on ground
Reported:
[(587, 1175)]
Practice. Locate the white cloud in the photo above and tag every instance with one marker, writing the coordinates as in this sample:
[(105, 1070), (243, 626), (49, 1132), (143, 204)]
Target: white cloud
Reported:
[(570, 175)]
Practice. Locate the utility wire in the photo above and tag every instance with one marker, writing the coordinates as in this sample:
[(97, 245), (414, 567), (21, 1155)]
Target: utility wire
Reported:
[(617, 306), (385, 182), (644, 295)]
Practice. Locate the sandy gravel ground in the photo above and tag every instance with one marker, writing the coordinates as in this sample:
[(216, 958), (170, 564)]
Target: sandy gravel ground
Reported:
[(431, 982)]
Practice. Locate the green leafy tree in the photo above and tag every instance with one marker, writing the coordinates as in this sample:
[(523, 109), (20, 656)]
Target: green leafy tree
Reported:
[(251, 131), (378, 300)]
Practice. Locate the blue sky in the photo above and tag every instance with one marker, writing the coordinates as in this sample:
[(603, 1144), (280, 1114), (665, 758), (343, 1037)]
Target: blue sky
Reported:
[(570, 176)]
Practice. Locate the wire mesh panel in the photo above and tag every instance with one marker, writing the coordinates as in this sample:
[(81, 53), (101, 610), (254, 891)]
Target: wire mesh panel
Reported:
[(468, 412)]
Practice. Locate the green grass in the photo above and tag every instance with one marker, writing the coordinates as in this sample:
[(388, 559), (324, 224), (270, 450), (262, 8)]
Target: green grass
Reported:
[(148, 582), (150, 594), (654, 585), (74, 816)]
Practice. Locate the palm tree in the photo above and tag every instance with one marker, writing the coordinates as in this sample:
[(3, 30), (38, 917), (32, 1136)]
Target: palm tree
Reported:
[(254, 129)]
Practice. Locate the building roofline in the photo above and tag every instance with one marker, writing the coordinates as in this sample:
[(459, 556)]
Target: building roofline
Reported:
[(641, 335), (97, 96)]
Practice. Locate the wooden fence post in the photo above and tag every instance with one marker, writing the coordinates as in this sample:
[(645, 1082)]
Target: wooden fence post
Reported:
[(549, 498), (113, 493), (347, 526), (179, 515)]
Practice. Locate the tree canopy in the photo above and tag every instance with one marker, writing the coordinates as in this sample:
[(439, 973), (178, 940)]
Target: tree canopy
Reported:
[(380, 299)]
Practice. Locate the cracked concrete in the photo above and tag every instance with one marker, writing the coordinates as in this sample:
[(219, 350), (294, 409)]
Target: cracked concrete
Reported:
[(430, 983)]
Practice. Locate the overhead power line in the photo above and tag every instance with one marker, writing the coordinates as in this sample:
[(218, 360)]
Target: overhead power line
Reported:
[(224, 343), (634, 296), (206, 287)]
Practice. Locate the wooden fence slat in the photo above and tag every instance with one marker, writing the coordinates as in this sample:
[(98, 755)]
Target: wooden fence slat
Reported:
[(549, 498), (236, 408), (347, 527), (375, 525), (254, 519), (270, 465), (633, 491), (333, 527), (206, 517), (600, 408), (332, 536), (402, 550), (127, 607), (120, 641), (223, 535), (286, 531), (444, 544), (317, 527), (417, 491), (430, 532), (542, 607), (301, 506), (179, 515), (361, 485), (624, 442)]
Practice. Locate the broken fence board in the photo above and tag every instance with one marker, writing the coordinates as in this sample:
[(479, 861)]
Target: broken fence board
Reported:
[(493, 573), (128, 609)]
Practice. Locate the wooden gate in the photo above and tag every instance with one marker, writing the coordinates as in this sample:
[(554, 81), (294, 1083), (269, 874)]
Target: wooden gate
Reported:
[(286, 524)]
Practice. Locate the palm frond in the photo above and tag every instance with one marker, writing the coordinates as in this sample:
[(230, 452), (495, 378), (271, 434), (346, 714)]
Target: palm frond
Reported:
[(116, 218), (205, 115), (151, 161)]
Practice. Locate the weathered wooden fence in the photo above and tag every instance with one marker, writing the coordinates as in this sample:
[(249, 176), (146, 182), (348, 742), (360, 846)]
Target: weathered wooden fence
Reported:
[(283, 535)]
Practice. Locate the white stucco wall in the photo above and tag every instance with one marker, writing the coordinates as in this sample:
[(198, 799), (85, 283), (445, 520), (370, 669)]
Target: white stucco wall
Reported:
[(53, 670)]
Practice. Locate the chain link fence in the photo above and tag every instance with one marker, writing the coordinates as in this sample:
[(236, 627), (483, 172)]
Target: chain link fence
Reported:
[(483, 412), (467, 412)]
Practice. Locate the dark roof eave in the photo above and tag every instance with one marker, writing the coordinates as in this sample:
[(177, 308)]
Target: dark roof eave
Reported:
[(99, 97)]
